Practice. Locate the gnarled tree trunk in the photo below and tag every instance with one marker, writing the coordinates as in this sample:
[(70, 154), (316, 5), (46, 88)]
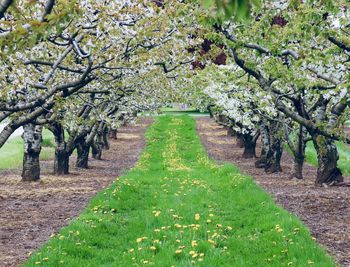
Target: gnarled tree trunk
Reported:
[(82, 155), (297, 171), (298, 154), (61, 161), (274, 154), (32, 137), (105, 143), (249, 143), (240, 140), (265, 145), (96, 150), (327, 156)]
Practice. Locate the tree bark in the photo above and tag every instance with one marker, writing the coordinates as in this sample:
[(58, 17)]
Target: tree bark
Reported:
[(32, 137), (274, 154), (240, 140), (105, 143), (327, 156), (298, 154), (265, 144), (249, 143), (83, 155), (297, 171), (210, 110), (113, 134), (96, 150), (61, 163)]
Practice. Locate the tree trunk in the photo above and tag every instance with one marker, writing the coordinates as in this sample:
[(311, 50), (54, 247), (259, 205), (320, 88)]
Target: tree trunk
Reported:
[(297, 171), (32, 137), (265, 145), (327, 155), (96, 150), (83, 155), (298, 154), (274, 154), (210, 110), (231, 132), (240, 140), (105, 143), (61, 163), (113, 134), (249, 143)]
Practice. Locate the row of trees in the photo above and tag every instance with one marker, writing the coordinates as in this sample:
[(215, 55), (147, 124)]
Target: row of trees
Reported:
[(81, 69), (286, 78)]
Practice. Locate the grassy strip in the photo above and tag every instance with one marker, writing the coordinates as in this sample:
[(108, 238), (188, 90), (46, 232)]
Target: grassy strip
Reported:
[(178, 208), (11, 154)]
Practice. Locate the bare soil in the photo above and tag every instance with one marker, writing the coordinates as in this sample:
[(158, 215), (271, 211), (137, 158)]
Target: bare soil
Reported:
[(32, 212), (326, 211)]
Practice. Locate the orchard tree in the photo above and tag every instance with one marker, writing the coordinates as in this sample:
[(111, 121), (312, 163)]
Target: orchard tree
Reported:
[(294, 68), (100, 45)]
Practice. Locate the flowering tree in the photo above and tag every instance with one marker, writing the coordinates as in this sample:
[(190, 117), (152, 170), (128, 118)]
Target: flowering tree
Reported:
[(87, 59), (304, 70)]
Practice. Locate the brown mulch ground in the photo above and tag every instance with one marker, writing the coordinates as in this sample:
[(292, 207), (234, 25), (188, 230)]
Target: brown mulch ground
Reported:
[(31, 212), (326, 211)]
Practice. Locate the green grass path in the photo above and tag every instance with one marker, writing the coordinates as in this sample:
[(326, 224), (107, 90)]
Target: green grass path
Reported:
[(178, 208)]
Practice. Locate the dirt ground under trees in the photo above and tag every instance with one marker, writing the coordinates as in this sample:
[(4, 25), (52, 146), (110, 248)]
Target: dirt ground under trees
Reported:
[(326, 211), (32, 212)]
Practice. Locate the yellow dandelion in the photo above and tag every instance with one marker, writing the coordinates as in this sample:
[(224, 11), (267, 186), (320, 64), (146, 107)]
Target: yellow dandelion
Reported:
[(211, 241), (178, 251), (153, 248), (197, 216), (131, 250), (194, 243), (157, 213)]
